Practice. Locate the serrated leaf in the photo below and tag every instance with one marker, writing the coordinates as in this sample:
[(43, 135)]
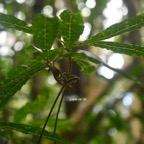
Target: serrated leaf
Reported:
[(18, 78), (32, 130), (45, 31), (128, 49), (127, 25), (71, 27), (13, 22)]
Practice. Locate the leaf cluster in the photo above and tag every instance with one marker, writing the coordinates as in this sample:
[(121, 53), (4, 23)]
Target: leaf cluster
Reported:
[(65, 29)]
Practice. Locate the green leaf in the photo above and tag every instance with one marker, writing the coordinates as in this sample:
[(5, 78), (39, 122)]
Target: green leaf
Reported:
[(71, 27), (97, 60), (55, 54), (45, 31), (17, 79), (128, 49), (32, 130), (13, 22), (127, 25), (82, 60)]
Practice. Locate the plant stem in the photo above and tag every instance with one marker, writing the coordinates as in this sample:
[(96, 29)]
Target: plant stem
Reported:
[(59, 111), (70, 66), (43, 129)]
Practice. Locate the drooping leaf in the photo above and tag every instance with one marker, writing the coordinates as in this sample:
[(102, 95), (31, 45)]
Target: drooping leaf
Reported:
[(128, 49), (97, 60), (17, 79), (71, 27), (128, 25), (13, 22), (45, 31), (32, 130)]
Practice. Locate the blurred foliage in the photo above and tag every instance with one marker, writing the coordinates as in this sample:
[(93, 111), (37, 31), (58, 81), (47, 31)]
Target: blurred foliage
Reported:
[(114, 107)]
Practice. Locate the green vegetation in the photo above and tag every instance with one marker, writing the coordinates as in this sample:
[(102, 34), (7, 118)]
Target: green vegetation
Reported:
[(56, 39)]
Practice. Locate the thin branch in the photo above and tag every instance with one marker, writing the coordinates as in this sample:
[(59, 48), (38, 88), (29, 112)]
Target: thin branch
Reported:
[(70, 66), (43, 129), (59, 110)]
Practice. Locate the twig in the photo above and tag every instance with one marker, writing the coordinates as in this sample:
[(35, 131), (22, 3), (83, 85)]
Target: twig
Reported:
[(59, 110), (43, 129)]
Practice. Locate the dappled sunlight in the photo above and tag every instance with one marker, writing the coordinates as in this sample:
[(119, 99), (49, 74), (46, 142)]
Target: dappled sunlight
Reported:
[(86, 7), (116, 61), (59, 4), (20, 1), (128, 99), (6, 51), (3, 37), (1, 8), (114, 12), (48, 11), (107, 73), (90, 3), (51, 80), (86, 12), (18, 46), (7, 41), (20, 15), (81, 5)]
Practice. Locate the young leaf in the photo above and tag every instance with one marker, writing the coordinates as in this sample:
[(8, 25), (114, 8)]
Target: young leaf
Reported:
[(32, 130), (82, 60), (128, 49), (55, 54), (71, 27), (17, 79), (128, 25), (13, 22), (45, 31)]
